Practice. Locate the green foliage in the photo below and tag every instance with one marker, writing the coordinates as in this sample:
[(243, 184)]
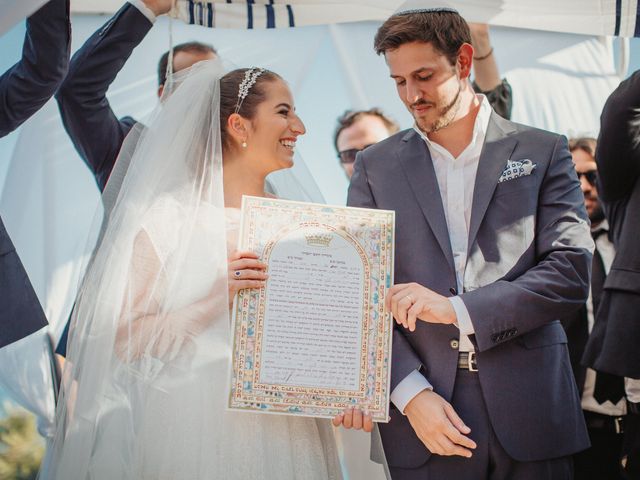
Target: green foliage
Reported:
[(21, 448)]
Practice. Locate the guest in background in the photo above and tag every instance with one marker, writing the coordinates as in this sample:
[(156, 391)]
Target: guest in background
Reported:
[(358, 129), (604, 418), (95, 130), (614, 344), (24, 89)]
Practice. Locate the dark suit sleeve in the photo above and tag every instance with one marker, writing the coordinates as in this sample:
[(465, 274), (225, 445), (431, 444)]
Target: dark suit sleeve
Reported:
[(559, 283), (500, 98), (31, 82), (618, 151), (404, 359), (94, 129)]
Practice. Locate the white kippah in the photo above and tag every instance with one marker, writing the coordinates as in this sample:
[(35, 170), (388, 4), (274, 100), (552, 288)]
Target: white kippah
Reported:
[(415, 6)]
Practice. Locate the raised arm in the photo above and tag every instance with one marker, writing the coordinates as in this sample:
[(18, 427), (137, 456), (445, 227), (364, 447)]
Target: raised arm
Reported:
[(88, 118), (485, 69), (618, 151), (31, 82)]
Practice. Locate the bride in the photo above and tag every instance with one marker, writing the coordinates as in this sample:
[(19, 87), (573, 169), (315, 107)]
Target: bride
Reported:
[(146, 379)]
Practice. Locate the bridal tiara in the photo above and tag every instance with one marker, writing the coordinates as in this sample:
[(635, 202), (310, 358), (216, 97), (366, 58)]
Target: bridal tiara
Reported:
[(250, 77)]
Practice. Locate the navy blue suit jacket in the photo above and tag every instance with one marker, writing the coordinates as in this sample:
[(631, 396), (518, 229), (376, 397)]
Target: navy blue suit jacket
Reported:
[(93, 127), (528, 265), (24, 89), (614, 343), (95, 130)]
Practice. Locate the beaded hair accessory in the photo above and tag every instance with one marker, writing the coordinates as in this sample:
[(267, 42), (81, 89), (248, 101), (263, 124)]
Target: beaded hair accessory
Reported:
[(250, 77)]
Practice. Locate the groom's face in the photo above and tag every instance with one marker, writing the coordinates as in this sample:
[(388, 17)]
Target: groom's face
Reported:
[(427, 84)]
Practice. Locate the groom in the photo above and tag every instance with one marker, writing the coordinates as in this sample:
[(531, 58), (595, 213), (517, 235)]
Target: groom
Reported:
[(492, 248)]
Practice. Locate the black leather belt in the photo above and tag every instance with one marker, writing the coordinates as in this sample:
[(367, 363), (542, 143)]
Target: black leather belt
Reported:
[(607, 423), (467, 361)]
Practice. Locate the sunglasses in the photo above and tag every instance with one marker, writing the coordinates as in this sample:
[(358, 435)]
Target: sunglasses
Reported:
[(591, 176), (349, 156)]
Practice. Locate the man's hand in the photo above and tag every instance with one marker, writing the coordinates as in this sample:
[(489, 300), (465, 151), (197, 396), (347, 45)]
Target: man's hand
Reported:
[(411, 301), (480, 38), (438, 426), (159, 7)]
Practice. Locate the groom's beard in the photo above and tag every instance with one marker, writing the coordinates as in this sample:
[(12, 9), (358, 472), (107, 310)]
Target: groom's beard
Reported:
[(446, 114)]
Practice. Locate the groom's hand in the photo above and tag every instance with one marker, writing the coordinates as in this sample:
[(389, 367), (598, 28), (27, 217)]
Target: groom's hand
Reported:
[(438, 426), (411, 301)]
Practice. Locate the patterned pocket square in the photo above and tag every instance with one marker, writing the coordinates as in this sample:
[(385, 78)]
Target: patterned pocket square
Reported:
[(516, 169)]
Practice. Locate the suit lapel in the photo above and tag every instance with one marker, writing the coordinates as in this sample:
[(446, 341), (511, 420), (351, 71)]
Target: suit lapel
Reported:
[(497, 149), (418, 168)]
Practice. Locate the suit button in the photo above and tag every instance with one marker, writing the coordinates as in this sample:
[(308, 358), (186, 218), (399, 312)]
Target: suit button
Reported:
[(454, 344)]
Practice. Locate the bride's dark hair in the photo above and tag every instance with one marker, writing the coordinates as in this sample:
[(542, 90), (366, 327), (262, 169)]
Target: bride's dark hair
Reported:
[(229, 86)]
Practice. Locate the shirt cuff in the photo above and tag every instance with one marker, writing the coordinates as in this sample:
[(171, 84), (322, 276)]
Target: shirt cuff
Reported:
[(632, 389), (408, 388), (462, 314), (146, 11)]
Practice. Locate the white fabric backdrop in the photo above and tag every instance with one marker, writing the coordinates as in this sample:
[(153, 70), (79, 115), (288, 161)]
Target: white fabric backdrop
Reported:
[(560, 82), (589, 17), (12, 11)]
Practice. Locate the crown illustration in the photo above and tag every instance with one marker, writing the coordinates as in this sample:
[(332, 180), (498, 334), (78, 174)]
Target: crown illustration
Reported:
[(318, 239)]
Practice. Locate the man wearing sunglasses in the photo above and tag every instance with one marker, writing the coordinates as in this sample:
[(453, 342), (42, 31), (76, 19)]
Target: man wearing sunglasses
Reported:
[(357, 130), (604, 413)]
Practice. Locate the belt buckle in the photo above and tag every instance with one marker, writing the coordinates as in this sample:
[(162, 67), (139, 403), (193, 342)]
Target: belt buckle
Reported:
[(472, 363), (619, 426)]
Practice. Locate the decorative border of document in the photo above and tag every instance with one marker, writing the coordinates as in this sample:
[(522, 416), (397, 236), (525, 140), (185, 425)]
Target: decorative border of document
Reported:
[(317, 338)]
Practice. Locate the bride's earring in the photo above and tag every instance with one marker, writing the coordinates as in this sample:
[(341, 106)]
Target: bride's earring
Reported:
[(244, 144)]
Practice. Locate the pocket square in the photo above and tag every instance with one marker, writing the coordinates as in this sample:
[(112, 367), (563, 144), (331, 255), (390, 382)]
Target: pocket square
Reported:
[(516, 169)]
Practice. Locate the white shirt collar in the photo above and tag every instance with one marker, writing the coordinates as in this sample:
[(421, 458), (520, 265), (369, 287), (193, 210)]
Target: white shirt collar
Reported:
[(480, 126), (603, 225)]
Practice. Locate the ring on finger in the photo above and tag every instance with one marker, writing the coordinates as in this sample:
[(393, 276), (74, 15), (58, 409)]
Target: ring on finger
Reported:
[(237, 273), (410, 298)]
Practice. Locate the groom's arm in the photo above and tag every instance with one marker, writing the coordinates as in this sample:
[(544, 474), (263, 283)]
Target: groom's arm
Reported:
[(559, 283), (406, 380)]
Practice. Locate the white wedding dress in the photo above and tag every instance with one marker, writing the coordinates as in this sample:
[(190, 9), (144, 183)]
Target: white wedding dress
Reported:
[(146, 381), (239, 445)]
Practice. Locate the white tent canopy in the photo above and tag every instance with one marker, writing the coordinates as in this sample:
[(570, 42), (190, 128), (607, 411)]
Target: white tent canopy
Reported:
[(560, 82), (560, 85), (587, 17)]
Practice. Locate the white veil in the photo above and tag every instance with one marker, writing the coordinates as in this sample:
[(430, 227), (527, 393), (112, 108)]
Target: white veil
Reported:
[(145, 382), (128, 347)]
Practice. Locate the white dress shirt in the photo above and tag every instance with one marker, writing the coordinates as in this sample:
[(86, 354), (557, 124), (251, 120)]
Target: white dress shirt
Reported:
[(607, 252), (146, 11), (456, 180)]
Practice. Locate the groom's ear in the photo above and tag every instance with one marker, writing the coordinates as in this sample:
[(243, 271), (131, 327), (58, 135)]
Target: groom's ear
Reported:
[(237, 127), (465, 60)]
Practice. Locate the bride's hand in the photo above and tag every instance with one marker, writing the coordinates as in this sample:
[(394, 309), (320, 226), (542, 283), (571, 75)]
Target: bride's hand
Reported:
[(245, 271), (354, 418)]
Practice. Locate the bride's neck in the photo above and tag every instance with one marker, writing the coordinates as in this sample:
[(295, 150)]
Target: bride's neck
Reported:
[(239, 180)]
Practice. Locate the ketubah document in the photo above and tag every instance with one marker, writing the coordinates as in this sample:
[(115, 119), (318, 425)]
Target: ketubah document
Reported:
[(317, 338)]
